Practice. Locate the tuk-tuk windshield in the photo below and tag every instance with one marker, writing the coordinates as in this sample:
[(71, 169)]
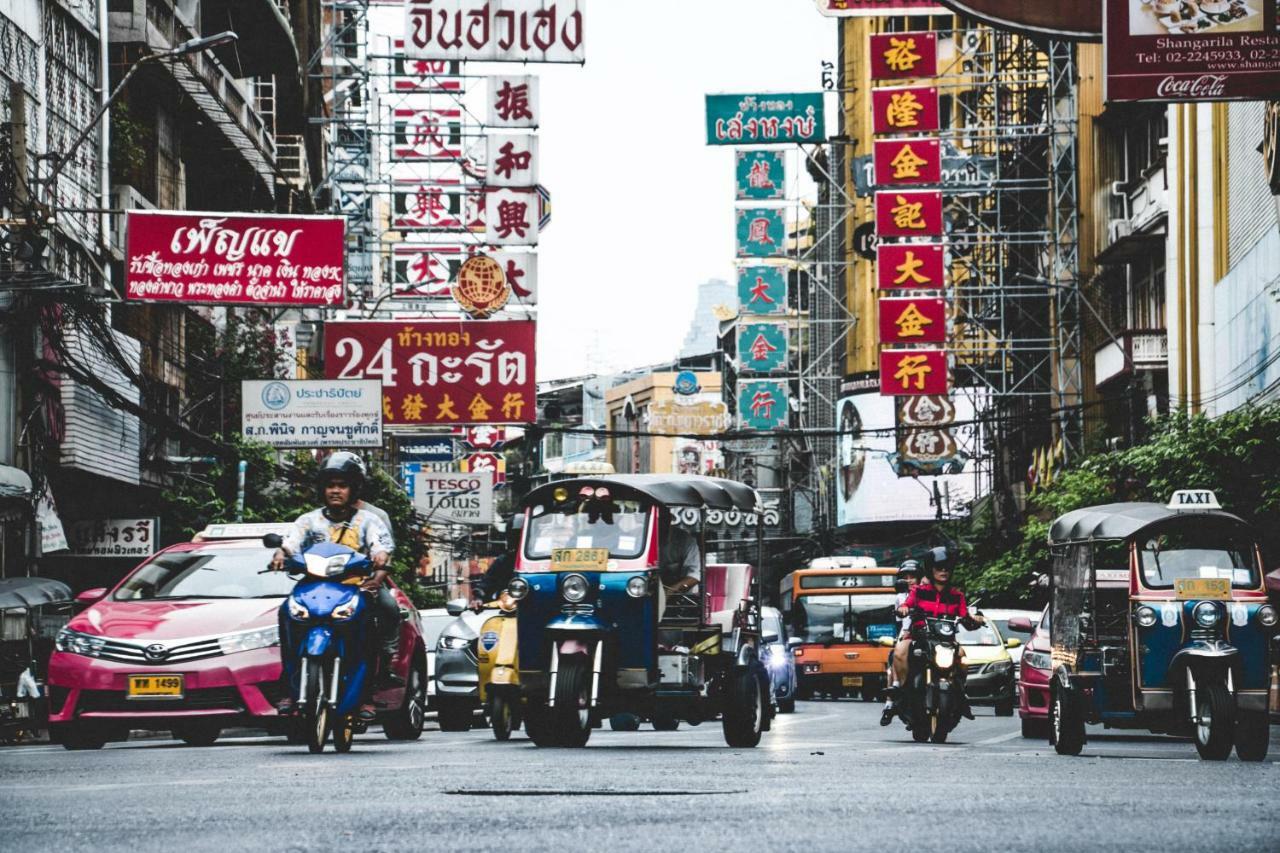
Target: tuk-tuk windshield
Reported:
[(1177, 554), (622, 531), (845, 618)]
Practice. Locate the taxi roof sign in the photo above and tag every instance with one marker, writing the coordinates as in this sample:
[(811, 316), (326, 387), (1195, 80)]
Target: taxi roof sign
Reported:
[(1194, 499), (224, 532)]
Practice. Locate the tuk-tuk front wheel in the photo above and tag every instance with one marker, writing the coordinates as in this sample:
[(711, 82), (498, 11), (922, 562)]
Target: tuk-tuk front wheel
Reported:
[(1215, 721), (743, 710), (1066, 722), (570, 719), (1253, 736)]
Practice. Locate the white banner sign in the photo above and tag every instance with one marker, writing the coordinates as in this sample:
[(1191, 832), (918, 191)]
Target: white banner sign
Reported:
[(495, 30), (454, 498), (521, 269), (511, 217), (312, 412), (512, 160), (513, 102), (114, 537)]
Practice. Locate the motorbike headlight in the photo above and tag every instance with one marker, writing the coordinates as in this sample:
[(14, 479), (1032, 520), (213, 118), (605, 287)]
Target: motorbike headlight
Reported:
[(574, 588), (346, 609), (1267, 615), (946, 629), (1207, 614), (79, 644), (1145, 616), (518, 588), (944, 656), (1037, 660), (298, 610), (638, 586), (249, 640), (453, 643)]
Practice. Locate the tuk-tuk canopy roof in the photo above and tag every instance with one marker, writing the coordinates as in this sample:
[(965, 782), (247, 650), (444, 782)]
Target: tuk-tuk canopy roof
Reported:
[(31, 592), (1122, 520), (665, 489)]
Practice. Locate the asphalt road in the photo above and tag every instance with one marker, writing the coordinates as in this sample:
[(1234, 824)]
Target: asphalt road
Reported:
[(827, 778)]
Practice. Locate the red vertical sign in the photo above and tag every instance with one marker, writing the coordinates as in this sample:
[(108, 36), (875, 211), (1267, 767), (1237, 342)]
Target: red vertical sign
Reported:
[(900, 56), (906, 213)]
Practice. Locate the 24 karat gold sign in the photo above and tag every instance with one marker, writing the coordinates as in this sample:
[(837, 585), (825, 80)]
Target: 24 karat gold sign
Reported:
[(579, 559), (1216, 589)]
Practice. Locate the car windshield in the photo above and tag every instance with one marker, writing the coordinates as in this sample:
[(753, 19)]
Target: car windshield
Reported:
[(622, 531), (771, 629), (206, 573), (845, 618), (982, 636), (1197, 554)]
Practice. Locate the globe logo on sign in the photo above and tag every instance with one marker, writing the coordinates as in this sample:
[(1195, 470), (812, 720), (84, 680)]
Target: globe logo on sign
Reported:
[(686, 383), (276, 396)]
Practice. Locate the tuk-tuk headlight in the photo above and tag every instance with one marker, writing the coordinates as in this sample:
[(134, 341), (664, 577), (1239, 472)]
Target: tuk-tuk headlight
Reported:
[(638, 586), (574, 588), (1207, 614), (1267, 615), (1145, 616), (518, 588)]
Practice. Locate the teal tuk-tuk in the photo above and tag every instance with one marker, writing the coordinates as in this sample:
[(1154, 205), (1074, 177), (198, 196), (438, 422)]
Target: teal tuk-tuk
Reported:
[(610, 624), (1160, 622)]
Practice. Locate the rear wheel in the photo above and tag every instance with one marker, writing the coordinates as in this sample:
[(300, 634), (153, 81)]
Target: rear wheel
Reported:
[(198, 735), (1215, 722), (315, 712), (77, 736), (343, 734), (744, 710), (1066, 722), (943, 720), (918, 712), (571, 717), (453, 713), (406, 722), (501, 717), (665, 724), (1253, 736)]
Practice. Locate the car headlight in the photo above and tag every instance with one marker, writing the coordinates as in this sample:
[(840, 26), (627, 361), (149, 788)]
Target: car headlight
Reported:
[(518, 588), (775, 657), (454, 643), (574, 588), (944, 656), (79, 644), (1207, 614), (638, 586), (346, 609), (298, 610), (1001, 666), (249, 640), (1267, 615), (1145, 616), (1037, 660)]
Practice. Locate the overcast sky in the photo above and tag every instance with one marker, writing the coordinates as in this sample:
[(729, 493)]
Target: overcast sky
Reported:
[(642, 208)]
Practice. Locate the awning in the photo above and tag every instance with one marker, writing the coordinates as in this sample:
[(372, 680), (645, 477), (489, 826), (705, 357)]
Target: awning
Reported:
[(31, 592), (14, 483), (1122, 520), (666, 489)]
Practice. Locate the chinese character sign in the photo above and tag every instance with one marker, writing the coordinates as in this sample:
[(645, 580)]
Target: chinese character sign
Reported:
[(521, 270), (424, 271), (913, 371), (512, 160), (913, 109), (915, 266), (495, 30), (760, 176), (511, 217), (513, 102), (762, 405), (765, 118), (439, 372), (908, 161), (897, 56), (762, 232), (762, 347), (426, 136), (909, 214), (442, 206), (762, 290), (913, 321)]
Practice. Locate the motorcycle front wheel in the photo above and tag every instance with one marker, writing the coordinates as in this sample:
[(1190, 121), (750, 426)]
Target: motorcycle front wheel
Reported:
[(315, 707)]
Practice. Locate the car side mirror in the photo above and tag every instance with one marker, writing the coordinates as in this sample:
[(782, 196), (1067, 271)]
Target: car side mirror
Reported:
[(272, 540), (792, 642), (456, 606), (91, 596), (1012, 643), (1021, 624)]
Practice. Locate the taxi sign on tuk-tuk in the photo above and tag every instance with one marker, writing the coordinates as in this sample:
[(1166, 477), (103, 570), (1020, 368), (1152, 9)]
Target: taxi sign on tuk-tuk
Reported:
[(1213, 589), (1194, 499), (579, 559)]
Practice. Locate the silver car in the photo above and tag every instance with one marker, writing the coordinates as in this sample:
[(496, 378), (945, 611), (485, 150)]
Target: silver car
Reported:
[(433, 622), (778, 658), (457, 674)]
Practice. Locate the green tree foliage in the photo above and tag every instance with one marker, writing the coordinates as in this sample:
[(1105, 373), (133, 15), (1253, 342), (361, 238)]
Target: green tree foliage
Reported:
[(1237, 455)]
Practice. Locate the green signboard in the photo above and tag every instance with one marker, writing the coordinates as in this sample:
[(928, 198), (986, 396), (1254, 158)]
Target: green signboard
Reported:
[(762, 232), (762, 290), (762, 347), (764, 118), (761, 176), (762, 405)]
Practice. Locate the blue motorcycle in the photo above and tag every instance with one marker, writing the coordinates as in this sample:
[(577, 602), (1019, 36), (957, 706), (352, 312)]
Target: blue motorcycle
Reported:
[(327, 628)]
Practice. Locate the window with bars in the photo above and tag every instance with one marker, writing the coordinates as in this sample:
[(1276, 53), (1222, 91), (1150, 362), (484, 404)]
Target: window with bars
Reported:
[(71, 82)]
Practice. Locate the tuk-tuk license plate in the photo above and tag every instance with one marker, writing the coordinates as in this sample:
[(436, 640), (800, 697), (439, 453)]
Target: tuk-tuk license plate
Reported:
[(579, 559), (1215, 589), (155, 686), (851, 681)]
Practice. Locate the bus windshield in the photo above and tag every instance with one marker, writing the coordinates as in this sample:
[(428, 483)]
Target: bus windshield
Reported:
[(622, 531), (845, 618)]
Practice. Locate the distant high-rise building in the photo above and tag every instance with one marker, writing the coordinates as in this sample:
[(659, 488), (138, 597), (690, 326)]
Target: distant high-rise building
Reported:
[(704, 329)]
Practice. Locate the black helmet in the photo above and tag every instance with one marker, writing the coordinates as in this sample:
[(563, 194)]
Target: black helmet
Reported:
[(910, 569), (937, 558), (345, 465)]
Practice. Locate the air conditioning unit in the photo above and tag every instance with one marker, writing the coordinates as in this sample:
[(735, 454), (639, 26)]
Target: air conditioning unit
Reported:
[(1119, 229)]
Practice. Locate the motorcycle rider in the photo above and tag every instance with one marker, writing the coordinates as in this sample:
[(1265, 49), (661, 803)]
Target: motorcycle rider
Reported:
[(909, 575), (341, 521), (933, 597), (500, 572)]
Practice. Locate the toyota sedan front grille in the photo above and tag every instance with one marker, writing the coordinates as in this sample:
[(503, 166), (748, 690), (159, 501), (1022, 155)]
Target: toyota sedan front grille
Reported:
[(150, 654)]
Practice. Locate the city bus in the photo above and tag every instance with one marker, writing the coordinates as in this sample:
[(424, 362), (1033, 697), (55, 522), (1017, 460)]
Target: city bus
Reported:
[(839, 608)]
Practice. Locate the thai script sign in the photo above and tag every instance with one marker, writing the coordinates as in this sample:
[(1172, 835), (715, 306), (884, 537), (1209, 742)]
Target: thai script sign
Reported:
[(901, 56), (906, 109), (114, 537), (312, 412), (678, 417), (761, 175), (913, 321), (1176, 51), (909, 214), (442, 372), (907, 161), (241, 259), (878, 8), (917, 266), (762, 405), (762, 347), (765, 118), (913, 371), (961, 174), (761, 232), (495, 30), (762, 290), (454, 498)]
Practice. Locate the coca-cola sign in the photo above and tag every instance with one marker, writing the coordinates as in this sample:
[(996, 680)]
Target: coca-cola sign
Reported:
[(1175, 51), (234, 259)]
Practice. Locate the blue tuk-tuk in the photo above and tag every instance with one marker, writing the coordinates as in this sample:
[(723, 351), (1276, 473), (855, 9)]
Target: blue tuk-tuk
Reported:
[(619, 613), (1160, 622)]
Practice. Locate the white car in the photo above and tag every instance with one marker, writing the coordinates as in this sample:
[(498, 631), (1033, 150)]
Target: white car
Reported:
[(433, 621)]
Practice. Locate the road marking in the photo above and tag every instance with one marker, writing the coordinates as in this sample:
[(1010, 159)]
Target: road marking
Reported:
[(996, 739)]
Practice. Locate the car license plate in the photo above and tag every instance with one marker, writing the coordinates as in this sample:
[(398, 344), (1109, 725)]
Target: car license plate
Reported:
[(152, 686), (851, 681)]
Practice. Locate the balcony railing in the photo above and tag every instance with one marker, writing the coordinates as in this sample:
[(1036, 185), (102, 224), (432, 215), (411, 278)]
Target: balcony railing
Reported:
[(1135, 349)]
